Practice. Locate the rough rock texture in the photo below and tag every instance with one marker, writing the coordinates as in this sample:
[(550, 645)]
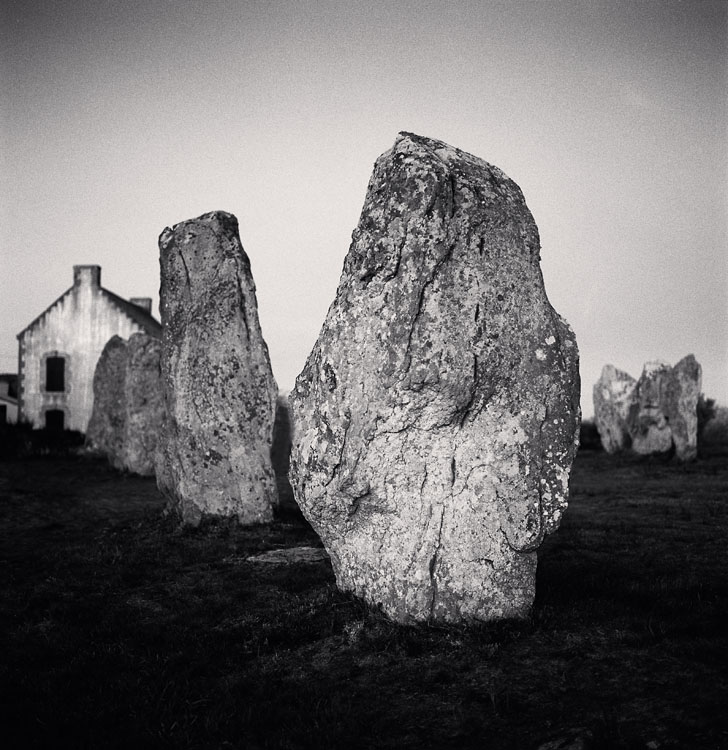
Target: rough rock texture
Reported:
[(105, 432), (614, 395), (144, 407), (436, 418), (656, 414), (213, 455)]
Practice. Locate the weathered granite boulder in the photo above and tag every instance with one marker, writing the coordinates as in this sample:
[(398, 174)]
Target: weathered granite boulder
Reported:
[(436, 419), (144, 407), (213, 455), (654, 415), (614, 396), (105, 431)]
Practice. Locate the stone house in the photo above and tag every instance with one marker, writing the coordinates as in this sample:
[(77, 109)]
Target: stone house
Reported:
[(59, 350), (8, 398)]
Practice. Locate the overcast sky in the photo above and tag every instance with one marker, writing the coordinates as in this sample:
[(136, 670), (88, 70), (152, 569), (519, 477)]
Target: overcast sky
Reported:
[(121, 118)]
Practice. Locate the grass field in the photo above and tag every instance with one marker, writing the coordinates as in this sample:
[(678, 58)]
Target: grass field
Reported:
[(120, 630)]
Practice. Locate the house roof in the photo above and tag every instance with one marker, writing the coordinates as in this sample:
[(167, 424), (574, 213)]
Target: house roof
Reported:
[(141, 317), (138, 314), (37, 319)]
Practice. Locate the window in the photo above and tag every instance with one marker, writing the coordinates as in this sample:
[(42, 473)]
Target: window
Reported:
[(55, 420), (56, 374)]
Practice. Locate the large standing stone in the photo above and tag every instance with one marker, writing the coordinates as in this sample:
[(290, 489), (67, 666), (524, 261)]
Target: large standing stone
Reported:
[(436, 419), (213, 455), (105, 432), (654, 415), (614, 396), (144, 406)]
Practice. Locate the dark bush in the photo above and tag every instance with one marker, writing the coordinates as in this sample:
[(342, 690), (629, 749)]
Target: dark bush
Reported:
[(22, 441), (280, 451), (706, 412), (589, 439)]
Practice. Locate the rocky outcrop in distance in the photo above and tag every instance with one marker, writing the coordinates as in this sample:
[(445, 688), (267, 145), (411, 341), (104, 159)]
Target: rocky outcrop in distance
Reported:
[(656, 414)]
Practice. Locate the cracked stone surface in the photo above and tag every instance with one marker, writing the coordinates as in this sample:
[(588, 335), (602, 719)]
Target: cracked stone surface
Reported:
[(652, 415), (213, 456), (436, 419)]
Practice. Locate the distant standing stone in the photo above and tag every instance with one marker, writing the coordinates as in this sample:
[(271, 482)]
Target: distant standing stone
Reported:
[(105, 432), (682, 406), (213, 456), (668, 409), (614, 396), (650, 428), (143, 403), (437, 417), (652, 415)]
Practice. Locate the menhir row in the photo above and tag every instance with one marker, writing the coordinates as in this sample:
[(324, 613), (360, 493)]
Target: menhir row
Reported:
[(436, 418)]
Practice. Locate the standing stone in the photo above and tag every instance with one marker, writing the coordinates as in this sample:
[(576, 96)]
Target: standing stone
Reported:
[(127, 410), (615, 396), (143, 404), (656, 414), (437, 417), (668, 409), (213, 455), (683, 393), (649, 428), (105, 432)]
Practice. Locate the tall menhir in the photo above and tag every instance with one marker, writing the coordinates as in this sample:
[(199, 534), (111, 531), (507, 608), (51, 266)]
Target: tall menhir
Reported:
[(436, 419), (213, 454)]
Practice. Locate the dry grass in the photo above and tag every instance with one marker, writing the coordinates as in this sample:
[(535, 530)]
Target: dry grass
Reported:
[(120, 630)]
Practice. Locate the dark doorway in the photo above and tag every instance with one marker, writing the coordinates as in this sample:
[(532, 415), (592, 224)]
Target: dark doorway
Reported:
[(3, 413), (55, 420), (56, 374)]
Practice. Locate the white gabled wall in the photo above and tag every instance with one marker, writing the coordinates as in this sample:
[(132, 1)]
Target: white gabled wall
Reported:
[(76, 327)]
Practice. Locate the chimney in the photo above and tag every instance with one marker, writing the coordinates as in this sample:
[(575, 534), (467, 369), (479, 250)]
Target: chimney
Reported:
[(144, 302), (87, 275)]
